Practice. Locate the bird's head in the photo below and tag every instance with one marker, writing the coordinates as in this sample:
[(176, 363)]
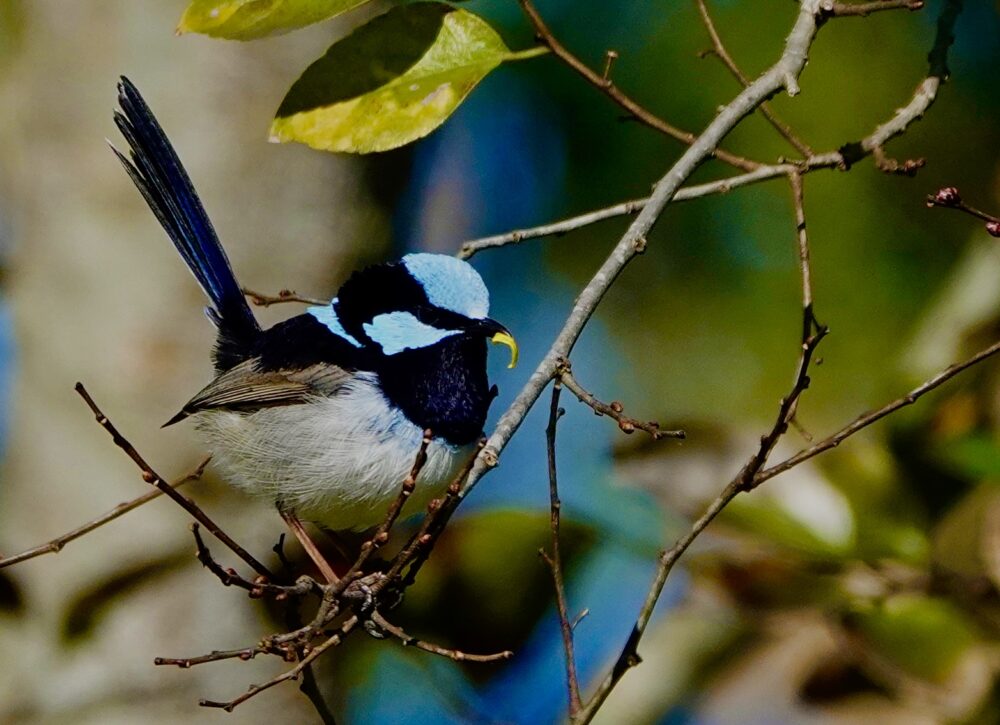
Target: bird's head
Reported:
[(415, 303)]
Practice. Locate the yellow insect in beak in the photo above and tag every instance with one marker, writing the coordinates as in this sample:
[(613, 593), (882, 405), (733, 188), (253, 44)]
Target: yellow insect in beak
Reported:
[(505, 338)]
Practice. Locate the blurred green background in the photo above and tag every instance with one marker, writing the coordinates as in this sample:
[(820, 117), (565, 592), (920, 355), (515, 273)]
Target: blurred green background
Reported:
[(861, 586)]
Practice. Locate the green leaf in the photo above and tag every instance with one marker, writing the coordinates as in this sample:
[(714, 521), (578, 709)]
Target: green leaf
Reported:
[(249, 19), (390, 82)]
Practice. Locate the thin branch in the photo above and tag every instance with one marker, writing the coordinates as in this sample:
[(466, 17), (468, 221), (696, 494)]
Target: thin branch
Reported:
[(381, 535), (283, 296), (949, 198), (782, 74), (719, 50), (257, 588), (614, 409), (743, 481), (865, 420), (309, 546), (292, 674), (439, 511), (56, 545), (846, 10), (245, 654), (150, 476), (633, 206), (554, 560), (607, 87), (848, 154), (453, 654), (805, 270)]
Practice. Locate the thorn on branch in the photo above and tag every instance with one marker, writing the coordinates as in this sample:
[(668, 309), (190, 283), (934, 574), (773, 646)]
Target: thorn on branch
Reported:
[(610, 56)]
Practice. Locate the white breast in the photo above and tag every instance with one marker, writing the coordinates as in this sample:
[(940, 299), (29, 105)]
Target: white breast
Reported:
[(338, 461)]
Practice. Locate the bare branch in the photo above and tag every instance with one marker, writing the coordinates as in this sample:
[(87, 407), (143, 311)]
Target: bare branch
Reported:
[(56, 545), (292, 674), (949, 198), (781, 75), (607, 86), (453, 654), (257, 588), (863, 421), (614, 409), (381, 535), (849, 154), (150, 476), (554, 560), (846, 10), (310, 547), (719, 50), (634, 206)]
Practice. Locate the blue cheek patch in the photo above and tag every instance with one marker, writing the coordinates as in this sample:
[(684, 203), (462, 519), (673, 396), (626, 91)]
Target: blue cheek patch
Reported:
[(398, 331), (328, 317), (450, 283)]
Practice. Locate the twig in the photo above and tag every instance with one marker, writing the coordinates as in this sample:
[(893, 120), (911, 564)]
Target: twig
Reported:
[(889, 165), (607, 87), (863, 421), (257, 588), (846, 10), (812, 335), (150, 476), (782, 74), (56, 545), (719, 50), (381, 535), (949, 198), (439, 511), (743, 481), (245, 654), (409, 641), (614, 409), (285, 295), (627, 208), (554, 560), (292, 674), (805, 270), (299, 529), (848, 154)]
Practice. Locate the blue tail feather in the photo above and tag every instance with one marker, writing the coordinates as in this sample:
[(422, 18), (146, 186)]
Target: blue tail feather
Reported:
[(159, 175)]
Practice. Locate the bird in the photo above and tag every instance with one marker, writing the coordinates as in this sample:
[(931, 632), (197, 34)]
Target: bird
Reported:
[(323, 414)]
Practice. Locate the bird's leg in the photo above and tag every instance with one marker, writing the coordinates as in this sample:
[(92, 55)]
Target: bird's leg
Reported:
[(310, 547)]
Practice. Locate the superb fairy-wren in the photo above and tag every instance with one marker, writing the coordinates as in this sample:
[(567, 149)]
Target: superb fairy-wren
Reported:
[(324, 413)]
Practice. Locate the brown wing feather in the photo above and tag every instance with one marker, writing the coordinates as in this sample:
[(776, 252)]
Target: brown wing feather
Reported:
[(246, 388)]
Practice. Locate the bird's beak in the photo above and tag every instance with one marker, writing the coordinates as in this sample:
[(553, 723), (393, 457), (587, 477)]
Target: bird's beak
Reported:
[(505, 338), (501, 336)]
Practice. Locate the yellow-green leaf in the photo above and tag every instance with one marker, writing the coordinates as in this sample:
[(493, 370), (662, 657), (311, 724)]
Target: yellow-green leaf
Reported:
[(390, 82), (249, 19)]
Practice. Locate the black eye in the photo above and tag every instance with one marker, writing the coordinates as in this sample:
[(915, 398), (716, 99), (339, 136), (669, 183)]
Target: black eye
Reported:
[(440, 318)]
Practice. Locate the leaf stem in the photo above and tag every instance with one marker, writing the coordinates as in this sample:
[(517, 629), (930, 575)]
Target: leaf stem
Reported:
[(528, 53)]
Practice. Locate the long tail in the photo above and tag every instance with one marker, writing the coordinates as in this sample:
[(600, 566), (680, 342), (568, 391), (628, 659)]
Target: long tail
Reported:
[(163, 182)]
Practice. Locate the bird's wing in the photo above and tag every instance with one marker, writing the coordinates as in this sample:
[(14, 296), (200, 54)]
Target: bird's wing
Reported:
[(246, 387)]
